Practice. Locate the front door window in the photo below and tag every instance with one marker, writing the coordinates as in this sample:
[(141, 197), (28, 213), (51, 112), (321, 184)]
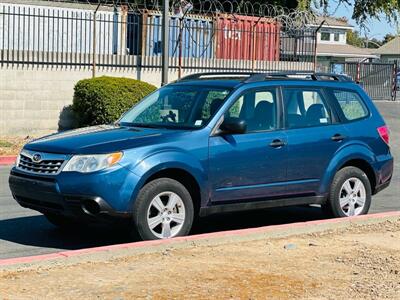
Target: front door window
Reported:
[(257, 108)]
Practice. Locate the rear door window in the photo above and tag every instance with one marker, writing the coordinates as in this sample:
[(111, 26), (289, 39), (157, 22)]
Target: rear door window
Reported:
[(351, 104), (306, 107)]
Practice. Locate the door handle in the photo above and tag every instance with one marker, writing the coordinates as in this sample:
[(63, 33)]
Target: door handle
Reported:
[(338, 137), (277, 144)]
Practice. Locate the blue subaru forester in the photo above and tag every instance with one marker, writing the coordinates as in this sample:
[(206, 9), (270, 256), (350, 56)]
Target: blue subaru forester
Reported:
[(213, 143)]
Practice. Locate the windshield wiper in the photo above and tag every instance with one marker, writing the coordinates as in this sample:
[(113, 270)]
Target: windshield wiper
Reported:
[(141, 125), (164, 126)]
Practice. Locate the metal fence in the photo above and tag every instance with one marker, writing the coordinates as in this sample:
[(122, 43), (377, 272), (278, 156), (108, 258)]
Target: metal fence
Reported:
[(378, 79), (125, 38)]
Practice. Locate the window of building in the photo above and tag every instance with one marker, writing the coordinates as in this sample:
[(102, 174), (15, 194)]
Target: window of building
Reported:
[(336, 37), (325, 36)]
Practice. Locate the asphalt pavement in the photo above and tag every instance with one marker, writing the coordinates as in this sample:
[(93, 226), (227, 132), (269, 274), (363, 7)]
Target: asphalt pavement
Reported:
[(25, 232)]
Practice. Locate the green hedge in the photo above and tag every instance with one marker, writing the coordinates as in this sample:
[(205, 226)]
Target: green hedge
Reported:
[(103, 100)]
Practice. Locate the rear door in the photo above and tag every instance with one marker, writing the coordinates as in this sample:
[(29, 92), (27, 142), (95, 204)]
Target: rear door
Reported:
[(314, 135)]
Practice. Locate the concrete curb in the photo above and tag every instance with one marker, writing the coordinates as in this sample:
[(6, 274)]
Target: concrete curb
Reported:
[(210, 238), (7, 160)]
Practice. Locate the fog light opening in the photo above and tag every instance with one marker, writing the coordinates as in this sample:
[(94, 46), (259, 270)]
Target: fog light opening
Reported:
[(91, 207)]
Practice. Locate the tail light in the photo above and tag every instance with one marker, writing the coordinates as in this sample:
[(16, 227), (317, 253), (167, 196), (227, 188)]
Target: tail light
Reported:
[(384, 133)]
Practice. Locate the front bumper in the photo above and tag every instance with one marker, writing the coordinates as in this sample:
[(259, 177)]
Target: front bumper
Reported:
[(83, 196)]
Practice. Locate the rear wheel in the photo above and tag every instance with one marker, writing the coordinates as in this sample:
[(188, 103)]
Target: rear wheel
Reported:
[(163, 209), (350, 193)]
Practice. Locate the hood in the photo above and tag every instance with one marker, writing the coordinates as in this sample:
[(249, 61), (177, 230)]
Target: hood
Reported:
[(99, 139)]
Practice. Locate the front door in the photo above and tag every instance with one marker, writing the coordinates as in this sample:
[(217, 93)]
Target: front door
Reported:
[(250, 166)]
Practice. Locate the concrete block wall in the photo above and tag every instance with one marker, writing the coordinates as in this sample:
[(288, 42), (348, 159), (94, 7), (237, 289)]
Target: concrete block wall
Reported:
[(32, 101)]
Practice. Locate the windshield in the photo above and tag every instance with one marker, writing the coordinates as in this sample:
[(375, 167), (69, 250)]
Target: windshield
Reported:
[(180, 107)]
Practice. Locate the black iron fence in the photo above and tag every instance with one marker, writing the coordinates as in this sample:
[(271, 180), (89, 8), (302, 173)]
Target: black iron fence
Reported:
[(378, 79), (122, 38)]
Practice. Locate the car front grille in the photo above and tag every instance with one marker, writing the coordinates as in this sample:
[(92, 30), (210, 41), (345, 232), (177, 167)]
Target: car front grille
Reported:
[(45, 166)]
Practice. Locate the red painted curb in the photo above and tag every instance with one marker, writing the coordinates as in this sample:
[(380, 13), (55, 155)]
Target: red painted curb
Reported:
[(232, 233), (7, 160)]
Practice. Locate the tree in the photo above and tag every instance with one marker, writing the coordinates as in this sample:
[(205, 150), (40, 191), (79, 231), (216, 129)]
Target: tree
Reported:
[(354, 39), (362, 9), (387, 38), (373, 43)]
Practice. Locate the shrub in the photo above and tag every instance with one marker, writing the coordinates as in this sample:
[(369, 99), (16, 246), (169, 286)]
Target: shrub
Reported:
[(103, 100)]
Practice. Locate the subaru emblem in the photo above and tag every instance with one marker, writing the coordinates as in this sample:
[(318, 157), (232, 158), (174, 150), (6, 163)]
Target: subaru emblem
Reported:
[(37, 157)]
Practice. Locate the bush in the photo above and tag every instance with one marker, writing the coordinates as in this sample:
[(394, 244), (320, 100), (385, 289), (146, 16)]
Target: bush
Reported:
[(103, 100)]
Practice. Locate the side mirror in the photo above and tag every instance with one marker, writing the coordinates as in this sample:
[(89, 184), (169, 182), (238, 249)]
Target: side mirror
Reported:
[(233, 126)]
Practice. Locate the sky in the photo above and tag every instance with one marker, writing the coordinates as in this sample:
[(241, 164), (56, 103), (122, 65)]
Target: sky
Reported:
[(377, 28)]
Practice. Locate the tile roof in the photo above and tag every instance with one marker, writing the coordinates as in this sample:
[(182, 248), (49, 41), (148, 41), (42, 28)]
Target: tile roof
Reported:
[(330, 21), (343, 50), (392, 47)]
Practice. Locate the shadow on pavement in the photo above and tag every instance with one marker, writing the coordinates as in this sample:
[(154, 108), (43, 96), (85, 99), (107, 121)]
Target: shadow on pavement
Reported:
[(38, 232)]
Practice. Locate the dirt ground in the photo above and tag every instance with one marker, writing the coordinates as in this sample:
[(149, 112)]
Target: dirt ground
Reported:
[(361, 262), (11, 145)]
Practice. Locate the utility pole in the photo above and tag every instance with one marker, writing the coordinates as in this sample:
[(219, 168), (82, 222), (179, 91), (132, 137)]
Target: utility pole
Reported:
[(165, 42)]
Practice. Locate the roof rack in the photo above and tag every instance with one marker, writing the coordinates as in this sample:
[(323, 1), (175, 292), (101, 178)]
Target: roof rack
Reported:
[(299, 75), (218, 75), (255, 77)]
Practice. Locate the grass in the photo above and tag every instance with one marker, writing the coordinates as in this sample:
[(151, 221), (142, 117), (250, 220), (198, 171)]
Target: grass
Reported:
[(5, 144)]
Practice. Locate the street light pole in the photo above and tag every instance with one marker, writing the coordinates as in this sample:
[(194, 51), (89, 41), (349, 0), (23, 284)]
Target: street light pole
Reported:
[(165, 42)]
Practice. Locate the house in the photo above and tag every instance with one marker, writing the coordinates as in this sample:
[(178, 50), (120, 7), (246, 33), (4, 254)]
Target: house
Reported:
[(390, 52), (332, 48)]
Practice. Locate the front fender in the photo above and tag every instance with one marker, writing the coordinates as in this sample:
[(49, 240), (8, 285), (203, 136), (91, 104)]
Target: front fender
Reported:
[(342, 156), (170, 159)]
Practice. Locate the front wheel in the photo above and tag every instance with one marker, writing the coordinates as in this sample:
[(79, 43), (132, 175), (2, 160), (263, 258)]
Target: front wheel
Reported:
[(350, 193), (163, 209)]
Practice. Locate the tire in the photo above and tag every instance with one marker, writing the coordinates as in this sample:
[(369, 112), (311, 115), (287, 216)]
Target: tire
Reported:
[(171, 217), (350, 194), (62, 222)]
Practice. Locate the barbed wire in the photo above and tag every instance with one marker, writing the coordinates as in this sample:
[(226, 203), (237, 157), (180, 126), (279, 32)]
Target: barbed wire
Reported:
[(288, 18)]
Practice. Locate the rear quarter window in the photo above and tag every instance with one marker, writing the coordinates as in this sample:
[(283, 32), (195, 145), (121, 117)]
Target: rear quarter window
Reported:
[(351, 104)]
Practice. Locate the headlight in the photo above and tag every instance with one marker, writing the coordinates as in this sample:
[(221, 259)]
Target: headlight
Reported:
[(18, 159), (92, 163)]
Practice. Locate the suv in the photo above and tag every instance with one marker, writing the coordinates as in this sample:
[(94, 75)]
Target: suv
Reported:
[(213, 143)]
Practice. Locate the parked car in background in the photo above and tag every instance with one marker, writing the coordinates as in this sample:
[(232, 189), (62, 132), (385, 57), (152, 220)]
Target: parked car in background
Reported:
[(213, 143)]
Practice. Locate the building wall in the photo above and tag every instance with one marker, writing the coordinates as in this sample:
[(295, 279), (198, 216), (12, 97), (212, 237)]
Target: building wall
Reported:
[(391, 59), (326, 63), (34, 101), (340, 34)]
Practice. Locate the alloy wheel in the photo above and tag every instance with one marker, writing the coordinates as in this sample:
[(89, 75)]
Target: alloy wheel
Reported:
[(166, 215), (352, 197)]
